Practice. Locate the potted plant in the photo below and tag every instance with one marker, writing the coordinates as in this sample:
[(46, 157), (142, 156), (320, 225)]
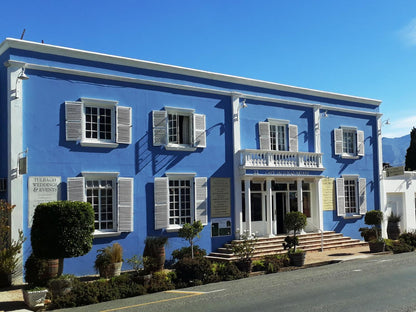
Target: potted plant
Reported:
[(34, 296), (369, 234), (154, 253), (294, 221), (244, 249), (374, 218), (62, 229), (109, 261), (393, 226)]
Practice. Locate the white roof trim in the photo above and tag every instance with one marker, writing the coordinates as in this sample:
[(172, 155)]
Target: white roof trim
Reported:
[(117, 60)]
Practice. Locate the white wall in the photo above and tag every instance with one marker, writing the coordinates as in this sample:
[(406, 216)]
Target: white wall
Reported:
[(400, 189)]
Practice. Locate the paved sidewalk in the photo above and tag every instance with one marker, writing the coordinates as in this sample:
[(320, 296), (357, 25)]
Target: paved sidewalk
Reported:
[(12, 299)]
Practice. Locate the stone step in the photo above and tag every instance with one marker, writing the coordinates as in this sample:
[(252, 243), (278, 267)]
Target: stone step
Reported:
[(273, 245)]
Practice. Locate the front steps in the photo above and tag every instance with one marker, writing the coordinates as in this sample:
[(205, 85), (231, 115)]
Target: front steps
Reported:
[(307, 242)]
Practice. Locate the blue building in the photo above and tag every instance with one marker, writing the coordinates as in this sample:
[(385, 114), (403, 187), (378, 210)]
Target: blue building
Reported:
[(154, 146)]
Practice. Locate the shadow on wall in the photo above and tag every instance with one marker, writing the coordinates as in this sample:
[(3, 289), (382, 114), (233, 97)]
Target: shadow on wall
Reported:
[(341, 222)]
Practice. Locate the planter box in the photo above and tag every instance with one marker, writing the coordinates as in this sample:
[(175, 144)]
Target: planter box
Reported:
[(376, 246), (297, 259), (34, 299)]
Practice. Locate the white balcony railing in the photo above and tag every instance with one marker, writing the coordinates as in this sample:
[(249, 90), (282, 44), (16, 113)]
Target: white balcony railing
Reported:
[(262, 159)]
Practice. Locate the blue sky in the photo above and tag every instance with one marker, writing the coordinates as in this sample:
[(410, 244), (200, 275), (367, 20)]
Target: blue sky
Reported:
[(363, 48)]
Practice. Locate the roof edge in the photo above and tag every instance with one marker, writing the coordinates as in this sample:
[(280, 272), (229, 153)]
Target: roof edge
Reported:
[(125, 61)]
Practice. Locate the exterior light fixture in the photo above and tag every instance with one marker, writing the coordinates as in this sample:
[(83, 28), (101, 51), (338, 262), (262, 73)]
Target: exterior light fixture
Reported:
[(324, 114), (20, 77), (242, 105)]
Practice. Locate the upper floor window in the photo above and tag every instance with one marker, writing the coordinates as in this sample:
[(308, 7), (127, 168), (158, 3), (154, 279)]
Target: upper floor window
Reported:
[(178, 129), (99, 123), (349, 142), (278, 135), (110, 196)]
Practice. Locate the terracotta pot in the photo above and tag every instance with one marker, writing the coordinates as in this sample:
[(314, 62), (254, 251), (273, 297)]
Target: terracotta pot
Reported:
[(376, 246), (53, 268), (297, 259), (393, 230)]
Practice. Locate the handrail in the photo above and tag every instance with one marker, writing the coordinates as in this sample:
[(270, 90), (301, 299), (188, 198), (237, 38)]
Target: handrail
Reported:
[(322, 235)]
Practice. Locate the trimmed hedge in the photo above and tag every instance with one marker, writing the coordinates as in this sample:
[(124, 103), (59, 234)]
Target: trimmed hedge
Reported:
[(62, 229)]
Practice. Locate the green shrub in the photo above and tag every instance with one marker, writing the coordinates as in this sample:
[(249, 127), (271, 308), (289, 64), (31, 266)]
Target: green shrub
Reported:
[(36, 271), (370, 233), (62, 229), (273, 263), (400, 247), (186, 252), (228, 271), (160, 281), (193, 271), (126, 286), (408, 238), (373, 217), (258, 265)]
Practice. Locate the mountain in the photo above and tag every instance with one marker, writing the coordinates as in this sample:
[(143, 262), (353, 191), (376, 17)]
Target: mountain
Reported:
[(394, 150)]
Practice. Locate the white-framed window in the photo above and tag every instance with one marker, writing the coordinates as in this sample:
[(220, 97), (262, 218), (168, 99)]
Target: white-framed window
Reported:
[(278, 135), (110, 196), (180, 198), (98, 123), (351, 196), (179, 129), (349, 142)]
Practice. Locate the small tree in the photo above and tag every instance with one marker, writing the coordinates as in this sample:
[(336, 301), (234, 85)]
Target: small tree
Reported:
[(294, 221), (62, 229), (374, 218), (8, 248), (190, 231), (411, 152)]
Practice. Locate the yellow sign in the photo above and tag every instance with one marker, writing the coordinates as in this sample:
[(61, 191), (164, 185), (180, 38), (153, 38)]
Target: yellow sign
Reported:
[(220, 197), (328, 194)]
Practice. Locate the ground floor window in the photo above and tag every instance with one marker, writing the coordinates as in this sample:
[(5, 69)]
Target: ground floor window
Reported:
[(350, 189), (100, 196), (180, 202)]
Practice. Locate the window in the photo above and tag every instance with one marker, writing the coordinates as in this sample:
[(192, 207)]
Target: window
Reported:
[(110, 197), (179, 199), (98, 123), (275, 134), (178, 129), (179, 202), (349, 142), (351, 196)]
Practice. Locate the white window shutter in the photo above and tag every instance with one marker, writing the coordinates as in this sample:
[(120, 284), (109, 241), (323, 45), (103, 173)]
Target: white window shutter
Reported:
[(338, 138), (360, 143), (125, 204), (73, 117), (76, 189), (340, 197), (201, 198), (160, 136), (161, 194), (200, 136), (362, 183), (264, 135), (123, 134), (293, 138)]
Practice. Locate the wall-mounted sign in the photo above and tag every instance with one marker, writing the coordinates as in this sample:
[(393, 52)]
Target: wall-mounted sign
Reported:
[(220, 197), (328, 194), (221, 227), (42, 190), (394, 171)]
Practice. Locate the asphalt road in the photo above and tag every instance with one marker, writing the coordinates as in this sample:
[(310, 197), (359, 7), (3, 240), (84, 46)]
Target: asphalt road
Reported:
[(382, 283)]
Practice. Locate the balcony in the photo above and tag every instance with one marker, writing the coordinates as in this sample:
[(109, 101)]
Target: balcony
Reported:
[(263, 159)]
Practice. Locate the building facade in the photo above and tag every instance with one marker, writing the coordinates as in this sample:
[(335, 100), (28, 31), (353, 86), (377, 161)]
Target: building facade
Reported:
[(154, 146)]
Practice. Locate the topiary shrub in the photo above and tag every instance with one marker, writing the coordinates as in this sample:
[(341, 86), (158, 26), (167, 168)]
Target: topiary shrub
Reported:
[(62, 229), (186, 252), (294, 221), (160, 281), (36, 271), (373, 217)]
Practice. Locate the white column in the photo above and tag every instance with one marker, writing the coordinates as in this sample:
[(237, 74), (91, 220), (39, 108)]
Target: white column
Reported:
[(238, 215), (15, 137), (380, 183), (300, 197), (247, 191), (318, 203), (269, 207), (317, 128)]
